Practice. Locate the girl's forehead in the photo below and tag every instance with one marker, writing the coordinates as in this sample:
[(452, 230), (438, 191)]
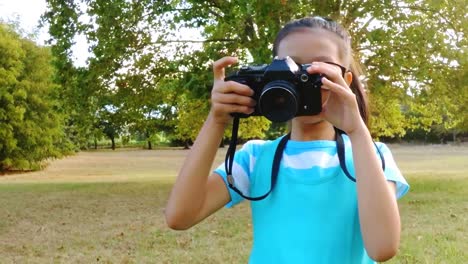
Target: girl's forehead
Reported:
[(306, 45)]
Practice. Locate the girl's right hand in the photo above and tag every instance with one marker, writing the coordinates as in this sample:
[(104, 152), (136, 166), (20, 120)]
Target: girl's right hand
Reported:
[(229, 97)]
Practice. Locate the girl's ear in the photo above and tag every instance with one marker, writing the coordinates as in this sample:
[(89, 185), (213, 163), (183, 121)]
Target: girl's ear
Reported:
[(348, 78)]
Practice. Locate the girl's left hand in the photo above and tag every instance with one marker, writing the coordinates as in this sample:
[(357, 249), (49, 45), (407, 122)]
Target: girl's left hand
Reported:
[(340, 107)]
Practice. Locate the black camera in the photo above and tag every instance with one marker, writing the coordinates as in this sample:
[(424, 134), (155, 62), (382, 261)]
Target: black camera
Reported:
[(282, 89)]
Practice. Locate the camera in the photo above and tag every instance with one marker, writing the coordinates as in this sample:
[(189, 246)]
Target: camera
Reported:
[(283, 89)]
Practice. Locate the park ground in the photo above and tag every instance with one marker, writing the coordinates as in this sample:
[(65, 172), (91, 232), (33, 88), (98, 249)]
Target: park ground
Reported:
[(107, 207)]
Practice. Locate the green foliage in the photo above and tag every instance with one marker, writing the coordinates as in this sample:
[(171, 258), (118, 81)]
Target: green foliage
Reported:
[(192, 113), (391, 39), (77, 93), (253, 127), (30, 127), (413, 54), (159, 80)]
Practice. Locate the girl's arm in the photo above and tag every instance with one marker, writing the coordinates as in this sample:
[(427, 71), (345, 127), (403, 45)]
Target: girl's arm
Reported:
[(197, 192), (196, 195), (378, 209)]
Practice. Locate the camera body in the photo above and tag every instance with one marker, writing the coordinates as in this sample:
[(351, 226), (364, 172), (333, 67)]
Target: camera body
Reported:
[(283, 89)]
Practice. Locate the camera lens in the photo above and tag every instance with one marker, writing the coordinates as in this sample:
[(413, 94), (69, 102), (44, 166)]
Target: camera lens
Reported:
[(278, 101)]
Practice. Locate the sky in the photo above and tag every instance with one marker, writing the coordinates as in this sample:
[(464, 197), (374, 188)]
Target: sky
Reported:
[(28, 13)]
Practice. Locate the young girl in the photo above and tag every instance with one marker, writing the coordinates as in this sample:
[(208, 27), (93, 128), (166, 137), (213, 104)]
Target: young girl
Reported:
[(315, 213)]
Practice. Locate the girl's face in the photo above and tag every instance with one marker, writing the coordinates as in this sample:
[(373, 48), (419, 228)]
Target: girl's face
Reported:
[(307, 45)]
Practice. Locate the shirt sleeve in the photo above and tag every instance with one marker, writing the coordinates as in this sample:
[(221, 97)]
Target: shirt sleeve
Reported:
[(241, 171), (392, 172)]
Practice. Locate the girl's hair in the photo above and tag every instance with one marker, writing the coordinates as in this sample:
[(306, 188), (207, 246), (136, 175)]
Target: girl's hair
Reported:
[(354, 67)]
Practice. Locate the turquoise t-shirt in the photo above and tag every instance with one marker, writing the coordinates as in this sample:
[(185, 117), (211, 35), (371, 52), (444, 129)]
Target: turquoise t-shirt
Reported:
[(311, 216)]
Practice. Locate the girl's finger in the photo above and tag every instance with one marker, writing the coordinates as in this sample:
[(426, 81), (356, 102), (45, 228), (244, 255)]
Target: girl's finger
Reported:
[(219, 65), (332, 72), (234, 87), (233, 108), (232, 98), (325, 95), (334, 87)]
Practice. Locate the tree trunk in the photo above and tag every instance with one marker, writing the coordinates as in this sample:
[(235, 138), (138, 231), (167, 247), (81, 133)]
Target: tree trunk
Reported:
[(95, 143), (113, 143), (149, 145)]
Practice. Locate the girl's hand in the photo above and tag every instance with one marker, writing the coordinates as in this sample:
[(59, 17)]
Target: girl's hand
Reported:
[(229, 97), (340, 107)]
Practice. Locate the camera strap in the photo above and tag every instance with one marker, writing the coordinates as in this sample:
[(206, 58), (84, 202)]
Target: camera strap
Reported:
[(340, 145), (230, 160)]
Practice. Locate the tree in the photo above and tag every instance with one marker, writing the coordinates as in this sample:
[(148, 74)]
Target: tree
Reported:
[(413, 53), (30, 126), (77, 90), (110, 122), (401, 44)]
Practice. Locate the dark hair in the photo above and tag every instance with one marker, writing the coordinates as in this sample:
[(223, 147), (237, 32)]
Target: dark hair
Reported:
[(354, 67)]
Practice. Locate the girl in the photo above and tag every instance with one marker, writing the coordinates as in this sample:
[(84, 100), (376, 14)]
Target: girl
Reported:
[(314, 214)]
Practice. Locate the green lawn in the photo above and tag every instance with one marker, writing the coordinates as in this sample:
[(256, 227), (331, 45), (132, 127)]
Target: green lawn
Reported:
[(107, 207)]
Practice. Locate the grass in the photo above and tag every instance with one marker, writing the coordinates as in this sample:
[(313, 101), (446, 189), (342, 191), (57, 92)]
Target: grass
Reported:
[(107, 207), (435, 211), (105, 223)]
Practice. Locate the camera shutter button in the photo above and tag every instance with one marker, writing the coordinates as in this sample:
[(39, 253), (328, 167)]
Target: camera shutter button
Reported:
[(304, 77)]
